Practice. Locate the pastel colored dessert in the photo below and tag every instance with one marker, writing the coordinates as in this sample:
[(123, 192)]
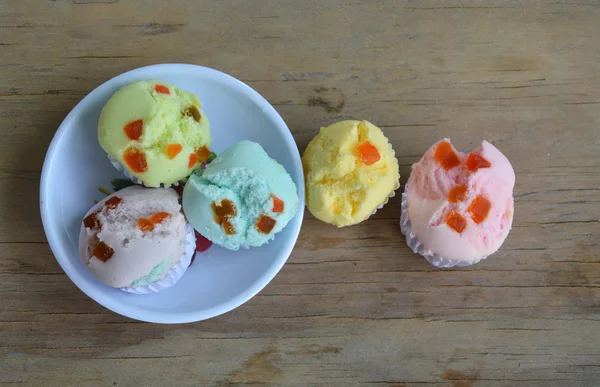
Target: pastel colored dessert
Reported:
[(137, 239), (242, 199), (458, 207), (156, 133), (350, 170)]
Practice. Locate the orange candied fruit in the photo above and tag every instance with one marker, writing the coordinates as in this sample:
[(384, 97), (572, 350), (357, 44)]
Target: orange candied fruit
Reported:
[(113, 202), (193, 160), (203, 153), (162, 89), (278, 204), (173, 150), (92, 221), (457, 194), (133, 130), (455, 221), (103, 252), (135, 160), (225, 210), (476, 161), (445, 156), (145, 224), (479, 209), (159, 217), (265, 224), (368, 153)]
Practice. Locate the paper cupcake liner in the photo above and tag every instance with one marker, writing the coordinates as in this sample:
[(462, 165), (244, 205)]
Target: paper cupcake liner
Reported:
[(417, 247), (390, 195), (176, 271)]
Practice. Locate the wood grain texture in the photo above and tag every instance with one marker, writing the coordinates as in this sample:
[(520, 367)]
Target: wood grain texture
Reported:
[(354, 306)]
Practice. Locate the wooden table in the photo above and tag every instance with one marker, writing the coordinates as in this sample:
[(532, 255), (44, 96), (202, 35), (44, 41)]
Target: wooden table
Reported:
[(353, 306)]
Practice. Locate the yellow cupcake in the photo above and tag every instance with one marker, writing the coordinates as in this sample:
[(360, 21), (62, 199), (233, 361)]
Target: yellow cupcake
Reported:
[(156, 131), (350, 169)]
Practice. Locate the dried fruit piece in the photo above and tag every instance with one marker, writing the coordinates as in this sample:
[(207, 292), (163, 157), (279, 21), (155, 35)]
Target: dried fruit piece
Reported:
[(278, 204), (202, 244), (135, 160), (476, 161), (228, 227), (203, 153), (445, 156), (192, 111), (173, 150), (455, 221), (92, 221), (193, 160), (162, 89), (265, 224), (103, 252), (457, 194), (145, 225), (479, 208), (159, 217), (133, 130), (113, 202), (368, 153), (224, 208)]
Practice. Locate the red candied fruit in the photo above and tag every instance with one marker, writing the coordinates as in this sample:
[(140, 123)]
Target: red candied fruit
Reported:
[(103, 252), (193, 160), (278, 204), (133, 130), (202, 244), (455, 221), (113, 202), (162, 89), (92, 221), (203, 153), (173, 150), (145, 225), (159, 217), (457, 194), (445, 156), (368, 153), (135, 160), (265, 224), (476, 161), (479, 209)]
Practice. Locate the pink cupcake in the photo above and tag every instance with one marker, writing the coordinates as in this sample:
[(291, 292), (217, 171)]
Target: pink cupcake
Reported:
[(457, 208)]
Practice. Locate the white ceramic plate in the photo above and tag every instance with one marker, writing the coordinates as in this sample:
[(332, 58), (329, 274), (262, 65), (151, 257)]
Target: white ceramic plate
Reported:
[(75, 166)]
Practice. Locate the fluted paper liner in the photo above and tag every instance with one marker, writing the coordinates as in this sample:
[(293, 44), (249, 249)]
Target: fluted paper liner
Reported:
[(417, 247)]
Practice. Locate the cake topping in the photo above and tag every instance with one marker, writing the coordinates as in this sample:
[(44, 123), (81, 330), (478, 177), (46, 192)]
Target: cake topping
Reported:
[(203, 153), (457, 194), (265, 224), (445, 156), (159, 217), (145, 224), (193, 160), (92, 221), (455, 221), (476, 161), (162, 89), (193, 111), (368, 153), (278, 204), (133, 130), (135, 160), (113, 202), (224, 210), (173, 150), (479, 209), (103, 252)]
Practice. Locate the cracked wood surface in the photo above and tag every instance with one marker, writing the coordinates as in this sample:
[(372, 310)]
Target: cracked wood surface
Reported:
[(353, 306)]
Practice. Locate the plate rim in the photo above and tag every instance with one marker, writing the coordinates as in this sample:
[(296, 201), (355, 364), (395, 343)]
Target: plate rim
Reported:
[(141, 314)]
